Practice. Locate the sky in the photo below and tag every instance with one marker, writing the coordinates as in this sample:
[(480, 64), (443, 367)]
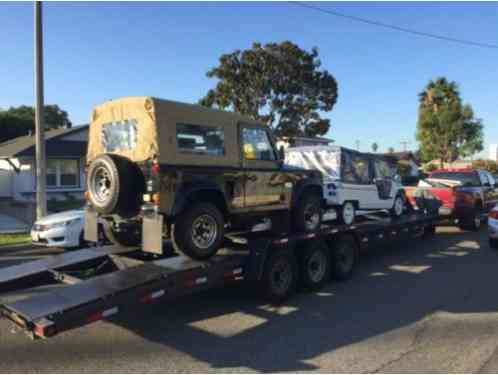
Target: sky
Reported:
[(95, 52)]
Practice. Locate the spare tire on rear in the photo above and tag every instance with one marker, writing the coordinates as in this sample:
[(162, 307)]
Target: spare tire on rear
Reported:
[(115, 185)]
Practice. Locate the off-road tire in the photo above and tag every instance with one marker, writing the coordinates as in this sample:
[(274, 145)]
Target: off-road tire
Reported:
[(123, 185), (183, 237), (308, 204), (344, 257), (280, 276), (314, 266), (130, 237)]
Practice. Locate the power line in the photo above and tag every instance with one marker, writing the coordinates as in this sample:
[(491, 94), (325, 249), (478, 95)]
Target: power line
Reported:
[(394, 27)]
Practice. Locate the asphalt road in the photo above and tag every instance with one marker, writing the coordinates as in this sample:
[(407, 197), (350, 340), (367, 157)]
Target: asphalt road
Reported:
[(425, 306)]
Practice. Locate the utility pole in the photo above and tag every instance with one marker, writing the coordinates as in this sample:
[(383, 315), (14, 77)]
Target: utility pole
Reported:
[(405, 144), (41, 198)]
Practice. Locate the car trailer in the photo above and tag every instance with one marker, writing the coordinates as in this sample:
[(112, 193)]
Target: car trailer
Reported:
[(96, 283)]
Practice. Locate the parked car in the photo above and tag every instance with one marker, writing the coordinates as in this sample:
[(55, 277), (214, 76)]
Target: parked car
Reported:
[(64, 229), (161, 169), (493, 228), (465, 194), (352, 180)]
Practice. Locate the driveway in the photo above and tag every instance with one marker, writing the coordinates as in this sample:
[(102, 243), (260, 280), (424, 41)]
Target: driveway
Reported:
[(425, 306)]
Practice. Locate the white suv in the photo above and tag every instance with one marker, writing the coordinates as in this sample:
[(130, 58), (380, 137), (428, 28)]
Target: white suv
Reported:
[(352, 180)]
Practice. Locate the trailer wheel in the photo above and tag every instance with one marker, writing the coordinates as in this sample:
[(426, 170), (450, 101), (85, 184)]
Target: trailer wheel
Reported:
[(314, 265), (472, 222), (280, 276), (344, 257)]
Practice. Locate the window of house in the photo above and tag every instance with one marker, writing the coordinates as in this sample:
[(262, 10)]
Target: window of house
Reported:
[(257, 145), (63, 173), (199, 139)]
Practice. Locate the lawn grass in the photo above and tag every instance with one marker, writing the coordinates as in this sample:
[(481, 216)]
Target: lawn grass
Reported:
[(8, 240)]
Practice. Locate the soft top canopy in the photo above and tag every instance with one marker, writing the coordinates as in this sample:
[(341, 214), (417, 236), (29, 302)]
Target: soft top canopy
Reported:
[(328, 159), (147, 127)]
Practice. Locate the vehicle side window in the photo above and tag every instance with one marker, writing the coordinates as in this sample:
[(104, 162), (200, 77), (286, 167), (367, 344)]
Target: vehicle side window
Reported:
[(484, 178), (257, 145), (382, 169), (491, 179), (200, 139), (356, 169)]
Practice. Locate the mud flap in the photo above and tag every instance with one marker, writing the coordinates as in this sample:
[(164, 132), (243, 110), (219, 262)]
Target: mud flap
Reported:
[(152, 233), (91, 232)]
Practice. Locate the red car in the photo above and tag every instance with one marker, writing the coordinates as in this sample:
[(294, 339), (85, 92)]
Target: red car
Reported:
[(465, 194)]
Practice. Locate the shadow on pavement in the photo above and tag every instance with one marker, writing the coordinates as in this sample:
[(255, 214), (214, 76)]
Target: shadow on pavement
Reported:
[(394, 287)]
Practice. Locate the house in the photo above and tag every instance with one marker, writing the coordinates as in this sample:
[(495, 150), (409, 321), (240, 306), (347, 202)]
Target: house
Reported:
[(407, 158), (65, 152), (286, 142)]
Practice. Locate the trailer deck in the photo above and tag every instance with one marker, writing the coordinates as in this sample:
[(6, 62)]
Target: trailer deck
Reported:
[(96, 283)]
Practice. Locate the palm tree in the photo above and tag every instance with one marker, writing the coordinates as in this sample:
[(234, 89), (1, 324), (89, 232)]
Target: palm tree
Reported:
[(375, 147)]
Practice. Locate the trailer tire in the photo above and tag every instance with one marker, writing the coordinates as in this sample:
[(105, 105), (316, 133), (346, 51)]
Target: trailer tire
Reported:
[(280, 276), (344, 257), (314, 266)]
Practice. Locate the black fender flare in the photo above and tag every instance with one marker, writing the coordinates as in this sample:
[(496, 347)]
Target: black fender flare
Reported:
[(303, 185), (193, 189)]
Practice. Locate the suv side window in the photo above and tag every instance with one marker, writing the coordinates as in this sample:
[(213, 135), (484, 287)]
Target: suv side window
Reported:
[(484, 178), (200, 139), (257, 145), (356, 169), (491, 179), (382, 169)]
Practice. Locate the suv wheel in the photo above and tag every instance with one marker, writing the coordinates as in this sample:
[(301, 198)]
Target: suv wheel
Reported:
[(398, 205), (308, 213), (199, 231), (347, 213)]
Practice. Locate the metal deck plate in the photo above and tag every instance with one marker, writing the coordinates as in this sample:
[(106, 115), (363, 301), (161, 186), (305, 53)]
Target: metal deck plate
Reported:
[(87, 291), (22, 270)]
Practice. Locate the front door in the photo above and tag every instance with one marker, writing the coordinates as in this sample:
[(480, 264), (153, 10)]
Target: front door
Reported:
[(263, 182)]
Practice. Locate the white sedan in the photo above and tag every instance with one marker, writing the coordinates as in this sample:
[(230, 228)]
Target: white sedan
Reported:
[(64, 229), (493, 228)]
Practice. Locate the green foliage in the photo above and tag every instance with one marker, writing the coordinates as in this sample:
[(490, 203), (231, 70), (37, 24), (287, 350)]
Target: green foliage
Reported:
[(375, 147), (278, 84), (430, 167), (390, 150), (404, 169), (446, 128), (8, 240), (18, 121), (489, 165)]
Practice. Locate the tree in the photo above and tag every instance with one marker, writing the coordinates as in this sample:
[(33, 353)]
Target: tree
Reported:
[(446, 128), (375, 147), (430, 167), (489, 165), (278, 84), (18, 121), (390, 150)]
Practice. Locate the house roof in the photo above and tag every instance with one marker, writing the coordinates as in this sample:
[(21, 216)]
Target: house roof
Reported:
[(25, 145)]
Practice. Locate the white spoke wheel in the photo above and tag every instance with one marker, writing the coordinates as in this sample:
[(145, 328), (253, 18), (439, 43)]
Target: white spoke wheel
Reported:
[(315, 265), (347, 213), (398, 206)]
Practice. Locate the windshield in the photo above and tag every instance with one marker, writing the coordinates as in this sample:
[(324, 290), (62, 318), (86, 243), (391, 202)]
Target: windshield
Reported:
[(119, 135), (465, 179)]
